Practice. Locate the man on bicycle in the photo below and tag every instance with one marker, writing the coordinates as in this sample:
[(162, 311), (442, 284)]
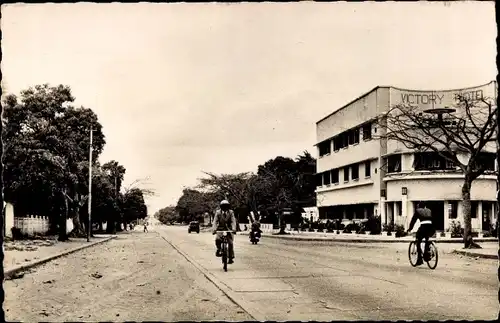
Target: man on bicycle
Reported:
[(425, 231), (224, 220), (256, 228)]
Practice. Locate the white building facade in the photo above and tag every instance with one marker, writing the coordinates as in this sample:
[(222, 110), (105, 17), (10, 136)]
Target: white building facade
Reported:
[(359, 175)]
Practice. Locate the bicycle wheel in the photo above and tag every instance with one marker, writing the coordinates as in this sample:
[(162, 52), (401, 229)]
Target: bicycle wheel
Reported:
[(224, 255), (433, 252), (413, 253)]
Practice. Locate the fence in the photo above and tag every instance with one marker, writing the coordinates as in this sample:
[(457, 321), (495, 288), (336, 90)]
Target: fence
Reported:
[(35, 225), (32, 224)]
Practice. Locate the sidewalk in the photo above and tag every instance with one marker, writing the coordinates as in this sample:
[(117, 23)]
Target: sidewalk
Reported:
[(489, 250), (23, 254), (352, 237)]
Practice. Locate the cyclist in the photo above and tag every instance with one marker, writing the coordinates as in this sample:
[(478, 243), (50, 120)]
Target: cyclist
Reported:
[(224, 220), (256, 228), (425, 231)]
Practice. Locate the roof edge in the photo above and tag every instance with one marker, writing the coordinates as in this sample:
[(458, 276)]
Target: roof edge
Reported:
[(352, 101), (447, 90), (400, 89)]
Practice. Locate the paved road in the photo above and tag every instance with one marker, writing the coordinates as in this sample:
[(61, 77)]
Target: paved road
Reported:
[(290, 280), (143, 278)]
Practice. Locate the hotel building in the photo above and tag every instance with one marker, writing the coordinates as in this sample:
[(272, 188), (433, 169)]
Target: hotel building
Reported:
[(359, 174)]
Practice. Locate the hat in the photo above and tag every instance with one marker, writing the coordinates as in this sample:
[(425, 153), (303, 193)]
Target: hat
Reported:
[(224, 202)]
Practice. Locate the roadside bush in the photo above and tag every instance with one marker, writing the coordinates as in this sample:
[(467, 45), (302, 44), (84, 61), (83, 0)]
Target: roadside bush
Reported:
[(389, 228), (373, 225), (321, 227), (493, 231), (400, 231), (304, 226), (329, 226), (456, 229), (339, 226), (352, 227)]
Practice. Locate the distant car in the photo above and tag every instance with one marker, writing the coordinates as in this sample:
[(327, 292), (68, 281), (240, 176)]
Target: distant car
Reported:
[(194, 226)]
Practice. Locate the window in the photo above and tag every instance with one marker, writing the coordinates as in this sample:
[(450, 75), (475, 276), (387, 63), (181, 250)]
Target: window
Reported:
[(324, 148), (431, 161), (452, 209), (335, 176), (394, 164), (473, 209), (319, 180), (449, 165), (487, 160), (345, 140), (356, 135), (346, 174), (337, 143), (368, 168), (355, 171), (367, 131), (350, 134), (326, 178)]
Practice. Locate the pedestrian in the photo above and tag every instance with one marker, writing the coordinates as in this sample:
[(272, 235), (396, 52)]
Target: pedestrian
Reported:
[(145, 227)]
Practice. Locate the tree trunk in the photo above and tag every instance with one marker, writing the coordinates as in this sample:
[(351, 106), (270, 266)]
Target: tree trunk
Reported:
[(467, 212), (78, 230), (63, 235), (282, 223), (110, 226)]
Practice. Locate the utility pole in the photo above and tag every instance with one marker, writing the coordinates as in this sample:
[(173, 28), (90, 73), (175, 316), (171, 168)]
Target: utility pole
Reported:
[(90, 188)]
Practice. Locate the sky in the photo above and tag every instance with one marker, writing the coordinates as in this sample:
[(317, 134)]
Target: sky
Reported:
[(186, 88)]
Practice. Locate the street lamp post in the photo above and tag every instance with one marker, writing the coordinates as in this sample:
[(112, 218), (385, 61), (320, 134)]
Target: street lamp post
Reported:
[(90, 187)]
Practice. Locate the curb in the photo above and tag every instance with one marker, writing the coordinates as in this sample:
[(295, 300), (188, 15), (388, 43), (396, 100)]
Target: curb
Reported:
[(252, 312), (11, 272), (368, 240), (475, 254)]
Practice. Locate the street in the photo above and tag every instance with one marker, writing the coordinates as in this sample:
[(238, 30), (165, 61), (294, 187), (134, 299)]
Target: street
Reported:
[(290, 280), (139, 276), (135, 277)]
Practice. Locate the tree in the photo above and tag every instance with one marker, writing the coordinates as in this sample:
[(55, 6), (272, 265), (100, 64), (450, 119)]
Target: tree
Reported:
[(104, 204), (168, 215), (134, 207), (115, 173), (242, 191), (192, 204), (459, 138), (305, 188), (277, 179), (48, 144)]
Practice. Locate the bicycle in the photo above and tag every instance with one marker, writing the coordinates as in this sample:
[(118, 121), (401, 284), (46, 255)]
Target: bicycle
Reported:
[(225, 248), (433, 254)]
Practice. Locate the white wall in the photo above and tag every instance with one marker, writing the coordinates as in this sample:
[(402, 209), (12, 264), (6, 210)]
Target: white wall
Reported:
[(348, 194), (440, 188), (353, 114), (354, 153), (9, 219), (69, 225)]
